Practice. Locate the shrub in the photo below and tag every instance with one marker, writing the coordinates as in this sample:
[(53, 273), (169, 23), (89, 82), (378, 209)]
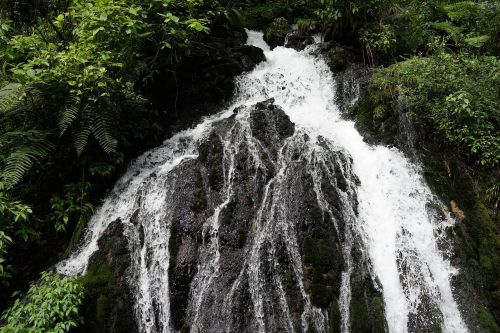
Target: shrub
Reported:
[(50, 306)]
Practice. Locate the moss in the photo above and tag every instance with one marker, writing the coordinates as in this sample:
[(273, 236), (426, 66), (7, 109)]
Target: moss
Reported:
[(336, 59), (378, 315), (367, 315), (324, 263), (100, 307), (379, 112), (487, 322)]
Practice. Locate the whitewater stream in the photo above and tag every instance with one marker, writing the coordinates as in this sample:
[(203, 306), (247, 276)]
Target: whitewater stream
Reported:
[(386, 220)]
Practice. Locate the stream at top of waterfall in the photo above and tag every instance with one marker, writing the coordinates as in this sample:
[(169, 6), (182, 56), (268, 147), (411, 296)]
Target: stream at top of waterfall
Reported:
[(383, 218)]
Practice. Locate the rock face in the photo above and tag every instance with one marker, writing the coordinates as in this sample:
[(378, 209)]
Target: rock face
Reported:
[(260, 237)]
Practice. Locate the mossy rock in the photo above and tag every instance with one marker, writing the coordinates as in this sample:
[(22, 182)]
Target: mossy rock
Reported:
[(107, 305), (275, 33), (477, 243), (376, 121)]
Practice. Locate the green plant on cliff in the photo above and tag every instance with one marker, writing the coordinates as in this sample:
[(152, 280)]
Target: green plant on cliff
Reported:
[(49, 306), (457, 94)]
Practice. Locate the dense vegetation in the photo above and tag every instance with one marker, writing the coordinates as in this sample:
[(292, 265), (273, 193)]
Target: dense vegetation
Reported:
[(51, 305), (72, 112), (76, 104)]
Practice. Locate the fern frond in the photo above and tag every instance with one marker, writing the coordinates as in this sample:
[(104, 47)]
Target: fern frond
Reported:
[(101, 130), (69, 113), (84, 129), (33, 149)]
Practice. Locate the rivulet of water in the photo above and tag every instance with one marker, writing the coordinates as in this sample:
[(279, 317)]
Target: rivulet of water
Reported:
[(386, 210)]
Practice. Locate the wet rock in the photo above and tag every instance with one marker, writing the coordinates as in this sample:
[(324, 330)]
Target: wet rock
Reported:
[(186, 238), (258, 230), (275, 33), (108, 302), (367, 313), (457, 212), (271, 125), (298, 41), (248, 55), (204, 81)]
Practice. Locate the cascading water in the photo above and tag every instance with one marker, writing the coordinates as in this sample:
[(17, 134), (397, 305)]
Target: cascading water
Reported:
[(267, 188)]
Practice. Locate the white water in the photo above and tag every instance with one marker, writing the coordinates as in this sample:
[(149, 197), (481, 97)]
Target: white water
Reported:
[(397, 227)]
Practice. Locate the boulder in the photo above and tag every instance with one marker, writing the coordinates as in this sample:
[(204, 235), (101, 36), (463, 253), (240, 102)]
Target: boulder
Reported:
[(275, 33), (108, 302), (298, 41)]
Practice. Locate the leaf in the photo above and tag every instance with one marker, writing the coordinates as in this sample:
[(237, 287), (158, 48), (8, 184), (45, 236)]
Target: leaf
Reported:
[(34, 147), (69, 113), (101, 130), (477, 41)]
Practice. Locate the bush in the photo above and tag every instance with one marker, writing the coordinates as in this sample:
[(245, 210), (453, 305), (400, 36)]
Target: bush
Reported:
[(50, 306)]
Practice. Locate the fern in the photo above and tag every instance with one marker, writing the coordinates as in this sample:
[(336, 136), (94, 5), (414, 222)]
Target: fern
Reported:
[(101, 130), (99, 126), (477, 41), (27, 149), (69, 113), (82, 134)]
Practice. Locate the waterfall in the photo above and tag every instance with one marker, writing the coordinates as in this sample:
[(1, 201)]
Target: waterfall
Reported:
[(243, 252)]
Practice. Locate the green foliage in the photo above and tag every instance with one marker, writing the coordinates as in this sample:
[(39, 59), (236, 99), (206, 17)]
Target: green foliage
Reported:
[(5, 241), (457, 93), (81, 62), (275, 33), (328, 14), (21, 150), (71, 206), (71, 76), (50, 306)]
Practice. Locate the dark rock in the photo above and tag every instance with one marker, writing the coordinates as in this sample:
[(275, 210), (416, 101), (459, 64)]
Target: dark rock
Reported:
[(204, 81), (185, 239), (274, 218), (270, 124), (339, 57), (248, 55), (298, 41), (275, 33), (108, 303)]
